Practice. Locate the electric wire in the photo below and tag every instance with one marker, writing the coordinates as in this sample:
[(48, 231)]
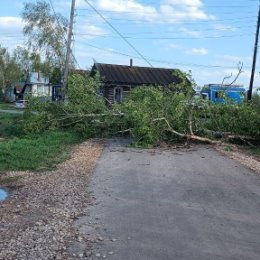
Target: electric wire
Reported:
[(166, 38), (210, 66), (52, 7), (121, 35)]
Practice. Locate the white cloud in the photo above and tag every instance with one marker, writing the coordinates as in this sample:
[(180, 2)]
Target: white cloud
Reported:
[(198, 51), (175, 10), (90, 31), (194, 3), (11, 24), (11, 31), (169, 11), (131, 7)]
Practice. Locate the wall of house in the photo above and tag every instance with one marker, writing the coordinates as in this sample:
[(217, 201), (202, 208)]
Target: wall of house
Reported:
[(111, 93), (39, 90)]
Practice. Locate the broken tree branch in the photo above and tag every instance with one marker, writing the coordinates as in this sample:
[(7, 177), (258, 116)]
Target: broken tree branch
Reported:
[(225, 78), (240, 70), (190, 122), (239, 67), (190, 136)]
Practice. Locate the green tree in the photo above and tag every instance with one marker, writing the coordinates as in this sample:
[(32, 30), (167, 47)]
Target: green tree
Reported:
[(9, 70), (184, 83), (45, 34), (31, 61)]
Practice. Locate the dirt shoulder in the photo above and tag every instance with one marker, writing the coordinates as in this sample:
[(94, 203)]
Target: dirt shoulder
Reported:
[(37, 219), (242, 155)]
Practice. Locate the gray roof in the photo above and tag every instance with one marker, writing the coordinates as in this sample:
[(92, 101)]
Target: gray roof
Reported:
[(134, 75)]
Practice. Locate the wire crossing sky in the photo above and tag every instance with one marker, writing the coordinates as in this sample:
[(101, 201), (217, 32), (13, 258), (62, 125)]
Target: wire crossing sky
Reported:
[(208, 37)]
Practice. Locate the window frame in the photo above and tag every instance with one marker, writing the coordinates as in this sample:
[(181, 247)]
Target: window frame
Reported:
[(121, 94)]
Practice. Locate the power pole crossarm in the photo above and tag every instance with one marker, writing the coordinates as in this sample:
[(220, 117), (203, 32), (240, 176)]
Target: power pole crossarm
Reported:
[(254, 59), (68, 53)]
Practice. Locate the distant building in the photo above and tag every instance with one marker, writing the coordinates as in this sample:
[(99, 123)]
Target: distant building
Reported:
[(36, 85)]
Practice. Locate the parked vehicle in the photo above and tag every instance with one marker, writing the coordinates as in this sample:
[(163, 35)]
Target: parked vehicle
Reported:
[(20, 103), (219, 93)]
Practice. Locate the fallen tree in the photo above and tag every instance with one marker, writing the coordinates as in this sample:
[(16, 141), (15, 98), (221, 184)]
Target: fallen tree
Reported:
[(150, 115)]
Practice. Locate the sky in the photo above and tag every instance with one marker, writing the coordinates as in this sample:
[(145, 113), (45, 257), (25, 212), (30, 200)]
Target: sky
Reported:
[(207, 37)]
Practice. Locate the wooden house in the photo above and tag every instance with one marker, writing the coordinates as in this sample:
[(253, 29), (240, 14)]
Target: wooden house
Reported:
[(118, 80)]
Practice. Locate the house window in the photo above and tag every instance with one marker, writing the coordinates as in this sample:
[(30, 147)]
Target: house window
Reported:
[(118, 94), (102, 91)]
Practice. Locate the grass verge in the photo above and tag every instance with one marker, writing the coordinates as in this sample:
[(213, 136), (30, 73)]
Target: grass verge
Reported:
[(7, 106), (35, 152), (11, 125), (255, 151)]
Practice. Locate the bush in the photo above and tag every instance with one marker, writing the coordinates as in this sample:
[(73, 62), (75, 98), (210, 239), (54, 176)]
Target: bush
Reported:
[(77, 112)]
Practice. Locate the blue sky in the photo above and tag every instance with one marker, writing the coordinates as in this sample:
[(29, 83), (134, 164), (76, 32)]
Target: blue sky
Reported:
[(208, 37)]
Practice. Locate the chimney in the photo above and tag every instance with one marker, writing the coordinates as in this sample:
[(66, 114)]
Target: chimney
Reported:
[(131, 63)]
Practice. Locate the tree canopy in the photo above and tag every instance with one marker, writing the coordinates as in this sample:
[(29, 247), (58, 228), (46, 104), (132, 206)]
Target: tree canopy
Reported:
[(45, 32), (9, 69)]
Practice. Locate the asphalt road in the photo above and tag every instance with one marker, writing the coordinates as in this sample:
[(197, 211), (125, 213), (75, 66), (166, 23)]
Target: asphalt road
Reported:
[(178, 204)]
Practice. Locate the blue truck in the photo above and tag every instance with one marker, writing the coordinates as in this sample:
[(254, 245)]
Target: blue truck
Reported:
[(219, 93)]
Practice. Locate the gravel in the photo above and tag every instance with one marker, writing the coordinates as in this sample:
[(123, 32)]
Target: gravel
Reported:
[(237, 153), (37, 219)]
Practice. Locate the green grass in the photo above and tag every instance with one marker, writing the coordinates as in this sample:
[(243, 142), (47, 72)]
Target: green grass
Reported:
[(19, 151), (7, 106), (36, 152), (255, 151), (11, 125)]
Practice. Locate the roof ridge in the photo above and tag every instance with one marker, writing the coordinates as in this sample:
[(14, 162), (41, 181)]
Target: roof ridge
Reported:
[(128, 66)]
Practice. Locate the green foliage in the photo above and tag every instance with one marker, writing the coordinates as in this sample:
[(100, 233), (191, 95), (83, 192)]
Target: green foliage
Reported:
[(82, 94), (145, 107), (45, 32), (236, 119), (11, 125), (83, 110), (36, 151), (147, 111), (256, 101), (185, 83), (9, 69), (151, 114), (29, 61)]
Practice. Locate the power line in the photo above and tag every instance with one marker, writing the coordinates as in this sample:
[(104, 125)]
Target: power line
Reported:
[(166, 38), (163, 61), (181, 4), (152, 12), (193, 30), (52, 7), (120, 34), (140, 19), (143, 17), (68, 47)]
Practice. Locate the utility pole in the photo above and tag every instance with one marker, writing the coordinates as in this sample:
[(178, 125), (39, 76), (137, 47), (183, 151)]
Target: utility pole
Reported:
[(68, 53), (249, 97)]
